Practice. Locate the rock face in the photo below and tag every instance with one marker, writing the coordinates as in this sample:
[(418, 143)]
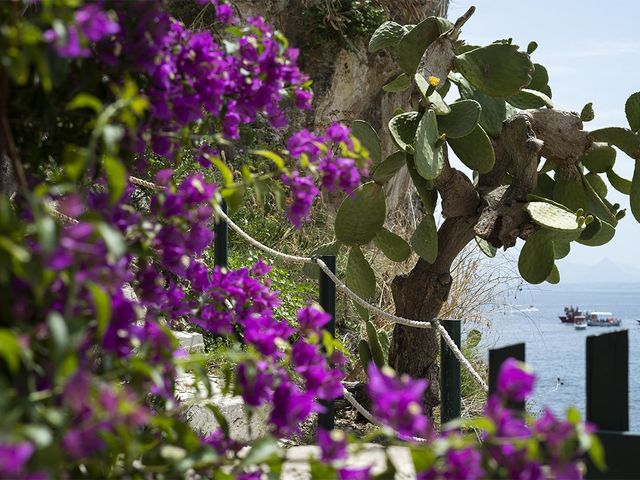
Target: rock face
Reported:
[(197, 409), (371, 455)]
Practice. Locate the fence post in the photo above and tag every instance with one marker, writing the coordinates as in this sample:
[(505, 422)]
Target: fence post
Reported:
[(608, 380), (327, 300), (450, 374), (221, 240), (496, 357), (608, 405)]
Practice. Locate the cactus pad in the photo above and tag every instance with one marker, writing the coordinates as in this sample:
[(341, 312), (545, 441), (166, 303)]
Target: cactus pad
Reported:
[(386, 35), (403, 130), (361, 215), (475, 150), (399, 84), (413, 44), (600, 157), (385, 170), (393, 246), (429, 158), (536, 262), (462, 119), (624, 139), (368, 138), (553, 217), (499, 69), (425, 239), (632, 109)]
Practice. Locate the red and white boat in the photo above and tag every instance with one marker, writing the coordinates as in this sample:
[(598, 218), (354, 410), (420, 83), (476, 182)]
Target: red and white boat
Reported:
[(572, 315)]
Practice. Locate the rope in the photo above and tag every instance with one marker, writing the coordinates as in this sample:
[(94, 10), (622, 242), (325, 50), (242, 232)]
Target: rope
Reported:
[(371, 308), (342, 287), (366, 414), (460, 356)]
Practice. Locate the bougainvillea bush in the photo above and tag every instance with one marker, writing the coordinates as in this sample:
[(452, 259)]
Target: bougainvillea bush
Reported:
[(95, 270)]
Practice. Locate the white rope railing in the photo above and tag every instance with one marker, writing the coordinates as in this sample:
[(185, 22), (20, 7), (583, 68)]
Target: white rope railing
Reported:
[(460, 356), (341, 286), (366, 414)]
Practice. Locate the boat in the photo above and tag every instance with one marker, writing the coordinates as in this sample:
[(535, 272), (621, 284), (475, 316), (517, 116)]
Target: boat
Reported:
[(602, 319), (580, 324), (571, 315)]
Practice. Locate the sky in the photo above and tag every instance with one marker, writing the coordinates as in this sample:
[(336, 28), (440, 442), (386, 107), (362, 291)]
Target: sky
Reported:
[(592, 52)]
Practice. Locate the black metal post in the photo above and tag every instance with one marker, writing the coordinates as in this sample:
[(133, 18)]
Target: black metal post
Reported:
[(608, 405), (221, 241), (496, 358), (450, 374), (327, 300), (608, 380)]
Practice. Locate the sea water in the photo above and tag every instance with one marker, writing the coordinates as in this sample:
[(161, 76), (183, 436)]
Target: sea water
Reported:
[(557, 351)]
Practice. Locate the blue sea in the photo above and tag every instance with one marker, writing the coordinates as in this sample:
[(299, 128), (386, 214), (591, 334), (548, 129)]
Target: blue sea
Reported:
[(556, 350)]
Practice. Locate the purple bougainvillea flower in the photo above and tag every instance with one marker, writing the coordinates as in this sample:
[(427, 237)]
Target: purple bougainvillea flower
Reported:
[(291, 406), (464, 464), (311, 320), (354, 473), (397, 402), (333, 445), (13, 457), (515, 380)]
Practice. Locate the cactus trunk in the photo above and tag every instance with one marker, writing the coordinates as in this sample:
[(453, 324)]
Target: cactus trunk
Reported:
[(414, 351)]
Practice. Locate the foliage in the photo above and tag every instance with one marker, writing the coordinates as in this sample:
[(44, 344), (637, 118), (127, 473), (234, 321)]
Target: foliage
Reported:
[(94, 273)]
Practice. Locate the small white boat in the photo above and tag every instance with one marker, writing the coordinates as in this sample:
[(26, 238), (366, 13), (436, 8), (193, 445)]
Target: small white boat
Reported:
[(580, 324)]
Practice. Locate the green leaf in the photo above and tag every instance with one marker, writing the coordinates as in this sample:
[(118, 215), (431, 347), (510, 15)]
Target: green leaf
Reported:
[(554, 276), (18, 252), (399, 84), (58, 332), (620, 184), (634, 196), (368, 138), (527, 98), (540, 80), (552, 217), (412, 46), (393, 246), (263, 450), (536, 258), (532, 47), (274, 157), (569, 192), (587, 114), (374, 345), (403, 129), (596, 453), (364, 352), (597, 184), (225, 171), (596, 206), (624, 139), (429, 158), (632, 110), (485, 247), (428, 194), (494, 110), (561, 249), (116, 177), (361, 215), (499, 70), (220, 418), (597, 233), (434, 100), (102, 304), (85, 100), (599, 158), (425, 239), (475, 150), (386, 35), (360, 276), (113, 239), (384, 171), (10, 349), (462, 120)]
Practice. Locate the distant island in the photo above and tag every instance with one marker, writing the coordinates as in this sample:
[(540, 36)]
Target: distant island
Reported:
[(605, 271)]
